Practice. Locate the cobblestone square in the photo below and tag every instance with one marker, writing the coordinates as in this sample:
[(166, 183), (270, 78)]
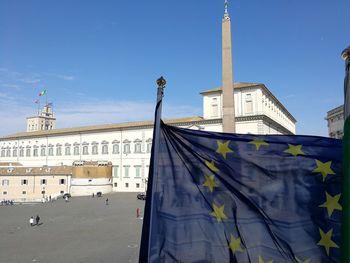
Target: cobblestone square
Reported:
[(84, 229)]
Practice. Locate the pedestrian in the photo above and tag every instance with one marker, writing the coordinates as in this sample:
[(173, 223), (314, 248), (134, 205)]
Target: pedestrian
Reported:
[(107, 201), (31, 221), (37, 219), (66, 198), (137, 212), (50, 198), (93, 195)]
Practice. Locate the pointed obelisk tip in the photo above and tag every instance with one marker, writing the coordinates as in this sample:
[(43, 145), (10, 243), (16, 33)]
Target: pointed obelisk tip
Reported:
[(226, 16), (346, 53)]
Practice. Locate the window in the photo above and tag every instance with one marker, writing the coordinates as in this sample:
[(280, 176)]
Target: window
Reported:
[(126, 171), (43, 181), (35, 152), (24, 192), (67, 150), (85, 150), (115, 148), (214, 108), (62, 181), (94, 149), (149, 145), (2, 153), (61, 192), (138, 146), (58, 151), (43, 151), (8, 153), (248, 104), (21, 152), (24, 182), (50, 151), (5, 182), (137, 170), (115, 171), (76, 150), (115, 184), (4, 193), (28, 152), (14, 153), (126, 185), (104, 149), (127, 148), (137, 185)]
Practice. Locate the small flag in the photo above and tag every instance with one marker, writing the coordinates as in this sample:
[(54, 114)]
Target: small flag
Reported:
[(42, 93)]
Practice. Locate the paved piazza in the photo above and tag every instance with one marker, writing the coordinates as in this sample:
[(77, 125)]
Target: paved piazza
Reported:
[(84, 229)]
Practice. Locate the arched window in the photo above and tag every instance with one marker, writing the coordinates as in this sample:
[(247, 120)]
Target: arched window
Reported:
[(14, 152), (50, 150), (85, 150), (76, 150), (21, 152), (137, 146), (105, 149), (43, 151), (94, 149), (28, 152), (115, 148), (35, 152)]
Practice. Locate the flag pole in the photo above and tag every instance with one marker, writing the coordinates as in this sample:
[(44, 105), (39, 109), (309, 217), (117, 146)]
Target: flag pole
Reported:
[(345, 228), (153, 172)]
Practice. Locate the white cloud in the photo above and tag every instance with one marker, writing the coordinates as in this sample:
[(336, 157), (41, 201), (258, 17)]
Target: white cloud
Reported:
[(30, 81), (11, 86), (62, 76)]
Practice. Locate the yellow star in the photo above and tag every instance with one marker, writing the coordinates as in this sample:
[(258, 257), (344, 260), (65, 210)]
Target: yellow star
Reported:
[(326, 240), (211, 166), (332, 203), (261, 260), (235, 244), (210, 182), (223, 148), (302, 261), (323, 168), (219, 213), (258, 143), (294, 149)]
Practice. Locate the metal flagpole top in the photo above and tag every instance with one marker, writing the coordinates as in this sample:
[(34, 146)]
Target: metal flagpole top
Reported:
[(161, 82), (346, 53)]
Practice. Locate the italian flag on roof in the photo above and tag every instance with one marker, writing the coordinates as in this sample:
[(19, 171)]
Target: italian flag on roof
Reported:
[(42, 93)]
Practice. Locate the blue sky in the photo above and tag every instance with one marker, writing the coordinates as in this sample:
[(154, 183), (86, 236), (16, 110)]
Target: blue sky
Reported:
[(99, 60)]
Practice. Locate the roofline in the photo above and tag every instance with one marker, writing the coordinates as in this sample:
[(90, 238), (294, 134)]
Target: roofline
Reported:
[(252, 85), (99, 128)]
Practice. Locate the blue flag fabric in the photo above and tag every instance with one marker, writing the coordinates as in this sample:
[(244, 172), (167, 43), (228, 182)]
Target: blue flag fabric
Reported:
[(243, 198)]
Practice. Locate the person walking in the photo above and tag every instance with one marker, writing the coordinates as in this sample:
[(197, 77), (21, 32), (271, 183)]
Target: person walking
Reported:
[(107, 201), (31, 221), (37, 219)]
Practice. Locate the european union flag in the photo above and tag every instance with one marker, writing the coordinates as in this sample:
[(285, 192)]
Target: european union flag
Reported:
[(243, 198)]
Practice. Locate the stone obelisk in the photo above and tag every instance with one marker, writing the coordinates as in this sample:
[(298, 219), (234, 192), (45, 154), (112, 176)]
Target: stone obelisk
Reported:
[(228, 107)]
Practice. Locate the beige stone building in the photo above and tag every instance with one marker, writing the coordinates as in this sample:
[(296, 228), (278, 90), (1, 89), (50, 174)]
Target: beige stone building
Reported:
[(335, 122), (33, 184)]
